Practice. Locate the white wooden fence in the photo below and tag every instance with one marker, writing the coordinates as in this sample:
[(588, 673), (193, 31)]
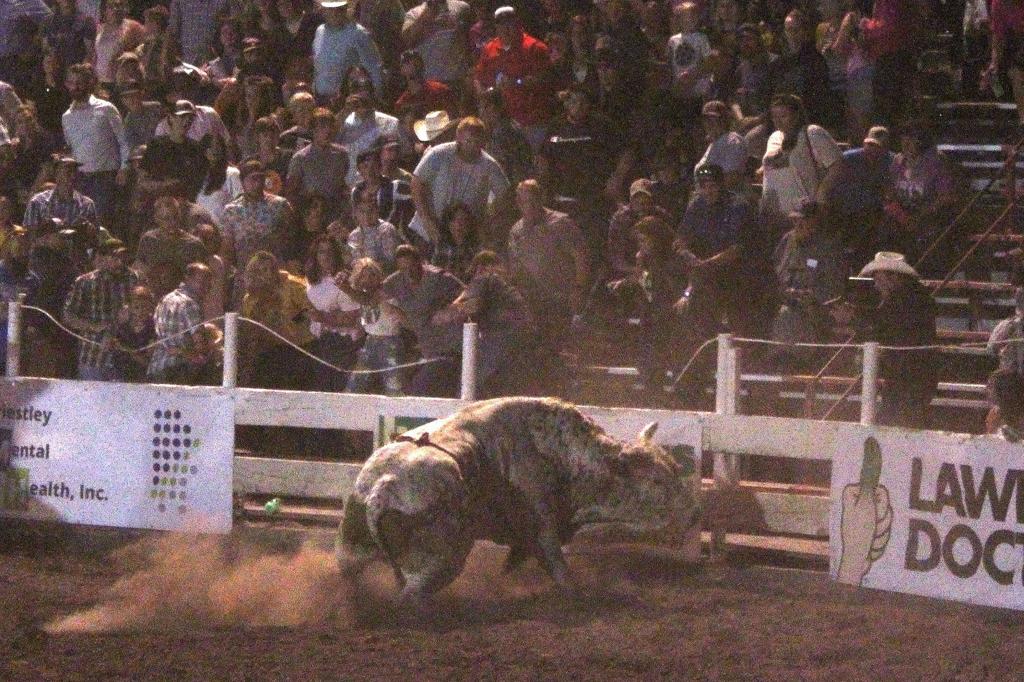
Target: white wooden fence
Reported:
[(727, 436)]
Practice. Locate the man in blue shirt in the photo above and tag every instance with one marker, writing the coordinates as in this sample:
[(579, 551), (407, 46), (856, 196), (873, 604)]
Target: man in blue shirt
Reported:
[(853, 193), (340, 44), (716, 218), (732, 284)]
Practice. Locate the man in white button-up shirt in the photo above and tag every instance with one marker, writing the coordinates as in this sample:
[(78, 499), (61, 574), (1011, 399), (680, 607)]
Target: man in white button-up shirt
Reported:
[(94, 131)]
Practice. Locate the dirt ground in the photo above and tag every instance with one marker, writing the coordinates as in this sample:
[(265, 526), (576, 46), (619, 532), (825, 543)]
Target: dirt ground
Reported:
[(179, 608)]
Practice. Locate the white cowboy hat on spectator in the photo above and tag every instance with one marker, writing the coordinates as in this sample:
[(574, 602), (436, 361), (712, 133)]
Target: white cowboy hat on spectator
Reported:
[(889, 261), (334, 4), (432, 125)]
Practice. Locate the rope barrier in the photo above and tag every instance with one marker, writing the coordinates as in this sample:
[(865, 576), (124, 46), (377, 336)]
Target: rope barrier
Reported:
[(693, 358), (140, 349), (191, 329), (965, 345), (417, 363)]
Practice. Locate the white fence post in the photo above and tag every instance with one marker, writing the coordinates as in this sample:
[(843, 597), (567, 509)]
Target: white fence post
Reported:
[(722, 373), (469, 345), (869, 384), (230, 379), (726, 466), (14, 338)]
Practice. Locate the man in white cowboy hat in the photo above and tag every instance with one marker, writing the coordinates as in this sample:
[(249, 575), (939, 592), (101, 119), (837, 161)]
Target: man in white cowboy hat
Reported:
[(905, 316), (452, 173), (433, 126)]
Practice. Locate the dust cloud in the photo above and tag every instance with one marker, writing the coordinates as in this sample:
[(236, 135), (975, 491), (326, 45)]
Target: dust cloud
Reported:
[(187, 583), (179, 581)]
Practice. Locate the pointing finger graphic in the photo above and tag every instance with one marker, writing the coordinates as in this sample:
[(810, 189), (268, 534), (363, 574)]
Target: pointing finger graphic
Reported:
[(871, 466), (866, 517)]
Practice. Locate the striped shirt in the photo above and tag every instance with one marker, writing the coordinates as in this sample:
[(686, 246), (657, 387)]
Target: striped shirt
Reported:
[(96, 297), (48, 205), (177, 312)]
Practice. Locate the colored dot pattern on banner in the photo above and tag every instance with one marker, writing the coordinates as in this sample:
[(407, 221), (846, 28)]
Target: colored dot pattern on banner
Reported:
[(171, 442)]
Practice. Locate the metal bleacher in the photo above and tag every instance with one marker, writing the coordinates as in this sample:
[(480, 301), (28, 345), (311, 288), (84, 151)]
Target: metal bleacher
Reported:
[(979, 136)]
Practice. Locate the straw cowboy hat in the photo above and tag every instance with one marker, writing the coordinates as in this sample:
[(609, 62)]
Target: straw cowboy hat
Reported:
[(889, 261), (432, 125)]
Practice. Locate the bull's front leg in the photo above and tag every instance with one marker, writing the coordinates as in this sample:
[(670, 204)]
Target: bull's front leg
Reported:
[(550, 545)]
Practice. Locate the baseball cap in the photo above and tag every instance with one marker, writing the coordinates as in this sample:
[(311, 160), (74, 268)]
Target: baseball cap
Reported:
[(505, 13), (111, 246), (65, 160), (709, 171), (878, 135), (715, 108)]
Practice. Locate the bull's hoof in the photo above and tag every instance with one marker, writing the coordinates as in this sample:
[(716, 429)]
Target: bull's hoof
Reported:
[(413, 602)]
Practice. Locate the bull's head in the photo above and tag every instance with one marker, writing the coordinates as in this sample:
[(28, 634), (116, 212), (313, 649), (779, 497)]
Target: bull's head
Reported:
[(642, 488)]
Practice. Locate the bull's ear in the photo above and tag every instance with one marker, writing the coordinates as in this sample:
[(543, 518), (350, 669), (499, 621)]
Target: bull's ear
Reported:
[(647, 433)]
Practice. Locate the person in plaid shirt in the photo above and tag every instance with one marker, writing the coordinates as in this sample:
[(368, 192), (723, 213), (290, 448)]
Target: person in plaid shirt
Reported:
[(62, 201), (92, 306), (178, 311)]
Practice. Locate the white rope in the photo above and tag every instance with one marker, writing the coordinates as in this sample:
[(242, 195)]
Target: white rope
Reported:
[(191, 329), (692, 359), (323, 362), (140, 349), (965, 345)]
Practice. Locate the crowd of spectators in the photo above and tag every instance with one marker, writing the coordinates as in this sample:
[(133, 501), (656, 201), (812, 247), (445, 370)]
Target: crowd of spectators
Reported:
[(362, 176)]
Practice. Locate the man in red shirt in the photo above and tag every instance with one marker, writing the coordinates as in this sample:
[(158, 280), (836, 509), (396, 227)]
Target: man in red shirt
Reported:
[(519, 66), (891, 37), (421, 95)]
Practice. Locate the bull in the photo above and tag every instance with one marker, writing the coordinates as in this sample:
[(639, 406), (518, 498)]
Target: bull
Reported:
[(522, 472)]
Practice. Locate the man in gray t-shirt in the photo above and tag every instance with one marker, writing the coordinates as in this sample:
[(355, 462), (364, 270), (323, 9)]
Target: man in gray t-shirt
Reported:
[(320, 167), (420, 291), (456, 173), (439, 31)]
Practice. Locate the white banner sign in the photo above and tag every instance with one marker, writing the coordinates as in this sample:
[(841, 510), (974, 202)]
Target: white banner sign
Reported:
[(926, 514), (131, 456)]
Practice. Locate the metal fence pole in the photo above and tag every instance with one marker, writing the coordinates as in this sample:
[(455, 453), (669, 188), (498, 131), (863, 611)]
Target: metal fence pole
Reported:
[(726, 466), (469, 346), (230, 379), (14, 338), (869, 384)]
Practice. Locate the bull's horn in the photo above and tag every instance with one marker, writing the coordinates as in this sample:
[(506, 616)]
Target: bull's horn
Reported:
[(647, 433)]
